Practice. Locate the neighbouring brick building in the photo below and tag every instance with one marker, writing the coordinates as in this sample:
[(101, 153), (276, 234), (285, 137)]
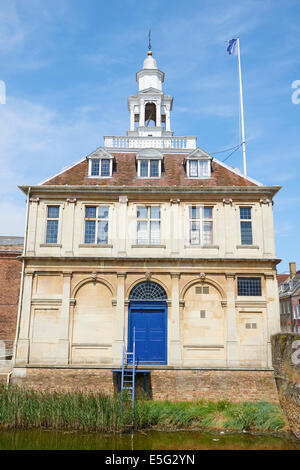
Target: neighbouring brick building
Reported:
[(11, 249), (150, 232), (289, 299)]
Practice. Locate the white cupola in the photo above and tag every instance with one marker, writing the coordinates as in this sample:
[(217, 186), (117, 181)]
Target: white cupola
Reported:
[(150, 76), (150, 108)]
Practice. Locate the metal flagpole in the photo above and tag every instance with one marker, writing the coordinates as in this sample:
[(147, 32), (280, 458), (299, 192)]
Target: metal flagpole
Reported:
[(242, 107)]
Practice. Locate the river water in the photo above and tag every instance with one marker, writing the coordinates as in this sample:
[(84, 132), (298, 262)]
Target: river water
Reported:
[(152, 440)]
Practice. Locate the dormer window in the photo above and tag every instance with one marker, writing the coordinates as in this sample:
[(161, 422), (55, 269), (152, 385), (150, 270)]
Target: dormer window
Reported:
[(149, 168), (198, 164), (198, 168), (100, 167), (149, 163)]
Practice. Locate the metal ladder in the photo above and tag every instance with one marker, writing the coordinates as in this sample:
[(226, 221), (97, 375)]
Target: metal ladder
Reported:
[(128, 373)]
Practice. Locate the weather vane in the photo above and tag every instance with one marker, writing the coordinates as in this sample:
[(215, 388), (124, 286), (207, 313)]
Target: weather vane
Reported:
[(149, 46)]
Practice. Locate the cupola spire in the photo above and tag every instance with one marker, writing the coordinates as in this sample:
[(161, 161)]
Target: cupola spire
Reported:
[(150, 108), (149, 45)]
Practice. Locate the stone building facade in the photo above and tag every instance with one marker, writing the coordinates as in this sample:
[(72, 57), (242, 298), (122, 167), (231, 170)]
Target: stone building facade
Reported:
[(150, 234)]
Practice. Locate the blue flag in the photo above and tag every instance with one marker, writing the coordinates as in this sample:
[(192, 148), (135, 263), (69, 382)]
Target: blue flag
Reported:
[(232, 47)]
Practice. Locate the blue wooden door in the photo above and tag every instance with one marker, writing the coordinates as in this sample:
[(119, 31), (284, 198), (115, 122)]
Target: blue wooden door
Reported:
[(150, 322)]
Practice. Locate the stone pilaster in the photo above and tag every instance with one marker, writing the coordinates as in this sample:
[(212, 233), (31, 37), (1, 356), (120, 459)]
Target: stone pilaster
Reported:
[(231, 323), (63, 343), (119, 320), (22, 355), (32, 221), (123, 200), (228, 227), (268, 228), (69, 221), (175, 354), (273, 318), (174, 232)]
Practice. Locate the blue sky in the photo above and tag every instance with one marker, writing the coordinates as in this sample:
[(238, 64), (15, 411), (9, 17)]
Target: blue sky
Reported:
[(69, 65)]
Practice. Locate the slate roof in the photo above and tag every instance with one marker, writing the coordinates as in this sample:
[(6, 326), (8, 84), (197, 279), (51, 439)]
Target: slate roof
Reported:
[(11, 244), (290, 286), (6, 240)]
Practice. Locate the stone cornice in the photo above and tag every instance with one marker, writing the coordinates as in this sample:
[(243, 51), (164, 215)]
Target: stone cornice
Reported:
[(47, 301), (149, 260), (270, 191)]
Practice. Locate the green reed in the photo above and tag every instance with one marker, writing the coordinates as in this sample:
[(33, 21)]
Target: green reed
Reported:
[(26, 408)]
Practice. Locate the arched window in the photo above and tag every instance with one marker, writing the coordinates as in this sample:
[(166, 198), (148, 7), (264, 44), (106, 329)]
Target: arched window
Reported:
[(148, 290), (150, 114)]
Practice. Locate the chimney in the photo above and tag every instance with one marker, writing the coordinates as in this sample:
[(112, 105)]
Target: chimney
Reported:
[(292, 269)]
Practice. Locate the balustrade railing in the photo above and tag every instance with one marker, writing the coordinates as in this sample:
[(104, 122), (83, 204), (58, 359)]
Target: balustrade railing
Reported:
[(178, 143)]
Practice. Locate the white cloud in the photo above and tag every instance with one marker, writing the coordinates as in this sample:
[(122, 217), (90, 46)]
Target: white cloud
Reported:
[(12, 216), (37, 141), (284, 230), (12, 32)]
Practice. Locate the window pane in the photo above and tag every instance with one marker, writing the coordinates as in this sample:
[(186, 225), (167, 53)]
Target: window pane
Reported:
[(204, 167), (207, 212), (90, 212), (95, 167), (155, 232), (207, 233), (193, 165), (154, 212), (154, 166), (142, 212), (102, 231), (52, 230), (53, 212), (246, 233), (105, 167), (249, 286), (103, 212), (144, 168), (194, 213), (245, 212), (142, 232), (90, 230), (195, 233)]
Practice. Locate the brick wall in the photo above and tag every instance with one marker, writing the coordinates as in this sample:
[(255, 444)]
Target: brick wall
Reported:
[(173, 385), (10, 276), (214, 385), (287, 376), (66, 380)]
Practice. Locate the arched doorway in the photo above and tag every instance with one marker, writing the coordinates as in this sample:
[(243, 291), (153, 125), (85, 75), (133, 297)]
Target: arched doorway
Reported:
[(148, 315)]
